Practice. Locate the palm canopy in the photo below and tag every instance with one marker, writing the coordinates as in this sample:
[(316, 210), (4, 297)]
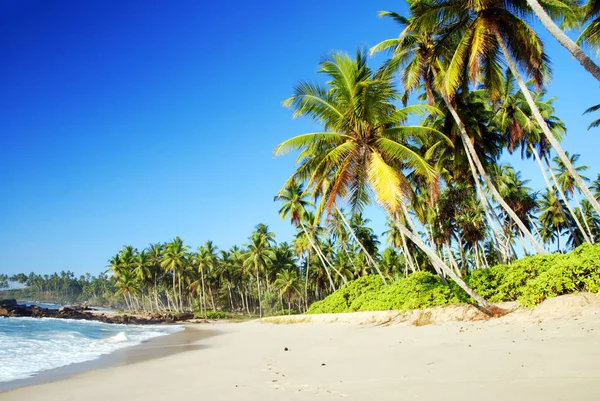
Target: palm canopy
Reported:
[(467, 41), (365, 146)]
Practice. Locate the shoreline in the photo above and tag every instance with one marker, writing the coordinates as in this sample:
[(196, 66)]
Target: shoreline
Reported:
[(154, 348), (549, 353)]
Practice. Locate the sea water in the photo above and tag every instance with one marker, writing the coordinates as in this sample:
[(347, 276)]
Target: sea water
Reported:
[(31, 345)]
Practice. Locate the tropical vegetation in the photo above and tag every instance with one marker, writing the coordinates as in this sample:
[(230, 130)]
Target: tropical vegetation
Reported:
[(422, 136)]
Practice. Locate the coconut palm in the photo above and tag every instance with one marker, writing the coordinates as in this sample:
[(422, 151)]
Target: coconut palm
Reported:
[(487, 30), (289, 284), (294, 205), (364, 144), (258, 257), (424, 48), (174, 258)]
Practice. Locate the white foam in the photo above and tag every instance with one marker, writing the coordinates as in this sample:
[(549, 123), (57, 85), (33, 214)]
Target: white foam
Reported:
[(29, 346)]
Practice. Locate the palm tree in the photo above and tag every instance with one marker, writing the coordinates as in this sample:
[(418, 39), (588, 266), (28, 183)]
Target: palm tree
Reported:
[(551, 219), (420, 49), (206, 259), (486, 30), (259, 256), (564, 10), (289, 284), (174, 257), (591, 34), (294, 204), (364, 144), (142, 271)]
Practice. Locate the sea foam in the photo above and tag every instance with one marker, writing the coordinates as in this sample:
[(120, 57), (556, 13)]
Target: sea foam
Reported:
[(31, 345)]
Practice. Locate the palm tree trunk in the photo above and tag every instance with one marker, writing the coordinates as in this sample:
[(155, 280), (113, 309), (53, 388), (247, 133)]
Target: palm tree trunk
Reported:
[(306, 280), (259, 297), (212, 300), (475, 159), (483, 304), (407, 254), (203, 303), (540, 120), (174, 291), (564, 40), (369, 258), (413, 227), (453, 262), (589, 230), (319, 255), (562, 195)]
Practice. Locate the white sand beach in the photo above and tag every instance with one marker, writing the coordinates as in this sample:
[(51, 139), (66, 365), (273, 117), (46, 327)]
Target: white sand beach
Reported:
[(550, 353)]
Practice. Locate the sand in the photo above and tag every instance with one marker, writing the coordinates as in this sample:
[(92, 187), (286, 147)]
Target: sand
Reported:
[(549, 353)]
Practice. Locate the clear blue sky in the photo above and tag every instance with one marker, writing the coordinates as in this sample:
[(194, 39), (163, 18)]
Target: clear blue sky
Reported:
[(130, 122)]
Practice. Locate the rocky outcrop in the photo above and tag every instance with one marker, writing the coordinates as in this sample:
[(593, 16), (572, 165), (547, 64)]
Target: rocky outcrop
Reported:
[(10, 308)]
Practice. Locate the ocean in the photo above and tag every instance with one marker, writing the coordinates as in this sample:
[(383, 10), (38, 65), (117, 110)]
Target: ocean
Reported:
[(32, 345)]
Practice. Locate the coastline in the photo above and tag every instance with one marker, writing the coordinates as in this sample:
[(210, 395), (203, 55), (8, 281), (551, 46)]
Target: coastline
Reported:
[(550, 353), (154, 348)]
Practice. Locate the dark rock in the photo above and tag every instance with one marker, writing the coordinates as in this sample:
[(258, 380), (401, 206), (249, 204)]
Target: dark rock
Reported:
[(8, 302), (184, 316)]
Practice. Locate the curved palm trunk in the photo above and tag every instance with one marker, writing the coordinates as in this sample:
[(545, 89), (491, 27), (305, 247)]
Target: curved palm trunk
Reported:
[(407, 255), (486, 205), (540, 120), (562, 196), (564, 40), (413, 227), (369, 258), (475, 159), (589, 230), (483, 304), (312, 244)]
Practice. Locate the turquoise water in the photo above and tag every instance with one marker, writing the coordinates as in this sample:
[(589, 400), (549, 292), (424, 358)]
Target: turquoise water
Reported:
[(31, 345)]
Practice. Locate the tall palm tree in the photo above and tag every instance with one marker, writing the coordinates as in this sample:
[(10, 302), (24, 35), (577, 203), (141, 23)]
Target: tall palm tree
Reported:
[(422, 48), (364, 144), (289, 284), (259, 256), (488, 29), (295, 204), (174, 258)]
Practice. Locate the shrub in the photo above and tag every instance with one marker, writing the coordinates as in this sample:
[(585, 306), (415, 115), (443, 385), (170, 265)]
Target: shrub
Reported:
[(419, 290), (530, 281)]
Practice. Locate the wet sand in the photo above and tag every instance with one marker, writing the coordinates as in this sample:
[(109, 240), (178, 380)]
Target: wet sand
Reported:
[(158, 347)]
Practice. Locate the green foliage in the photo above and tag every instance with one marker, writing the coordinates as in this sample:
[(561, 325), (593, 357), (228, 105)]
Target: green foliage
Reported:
[(530, 281), (534, 279), (419, 290)]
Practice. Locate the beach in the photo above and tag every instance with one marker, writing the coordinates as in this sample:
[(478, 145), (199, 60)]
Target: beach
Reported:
[(550, 353)]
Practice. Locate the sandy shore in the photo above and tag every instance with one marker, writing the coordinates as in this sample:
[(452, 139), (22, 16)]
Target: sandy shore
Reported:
[(551, 353)]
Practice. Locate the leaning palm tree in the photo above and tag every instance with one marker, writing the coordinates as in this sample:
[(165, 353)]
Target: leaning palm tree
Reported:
[(364, 146), (294, 205), (422, 50), (487, 30), (566, 12)]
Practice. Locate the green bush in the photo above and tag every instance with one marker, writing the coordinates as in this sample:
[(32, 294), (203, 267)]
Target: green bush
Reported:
[(216, 315), (534, 279), (530, 281), (419, 290)]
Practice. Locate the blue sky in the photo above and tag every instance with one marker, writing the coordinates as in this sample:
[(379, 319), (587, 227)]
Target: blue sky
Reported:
[(130, 122)]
